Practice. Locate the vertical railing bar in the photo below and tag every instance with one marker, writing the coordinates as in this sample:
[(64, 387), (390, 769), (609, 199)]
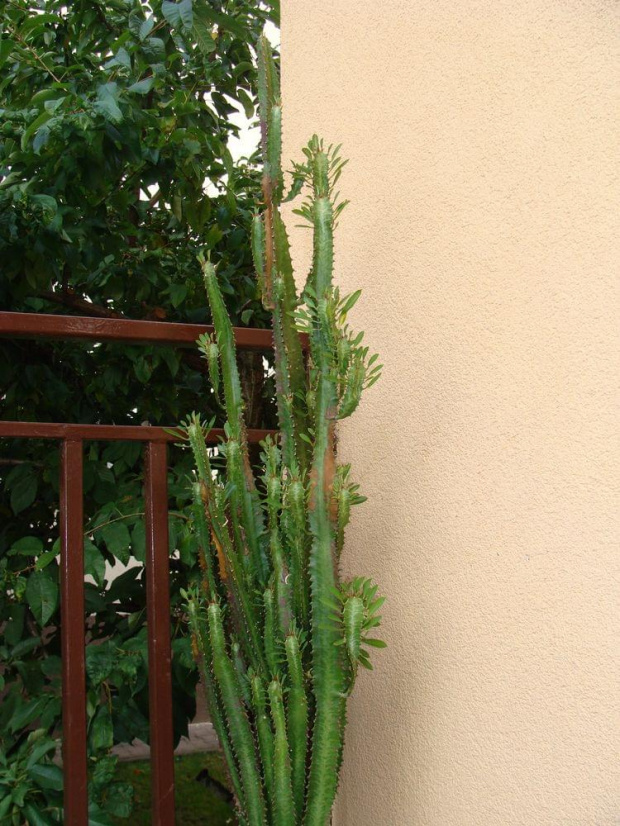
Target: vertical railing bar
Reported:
[(158, 620), (72, 630)]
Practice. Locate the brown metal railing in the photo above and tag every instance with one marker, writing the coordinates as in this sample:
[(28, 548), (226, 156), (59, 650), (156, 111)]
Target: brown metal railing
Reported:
[(71, 525)]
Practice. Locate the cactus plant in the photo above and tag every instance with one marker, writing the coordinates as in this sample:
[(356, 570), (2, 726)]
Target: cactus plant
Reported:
[(278, 636)]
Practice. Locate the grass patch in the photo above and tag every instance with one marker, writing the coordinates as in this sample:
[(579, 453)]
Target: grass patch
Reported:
[(196, 803)]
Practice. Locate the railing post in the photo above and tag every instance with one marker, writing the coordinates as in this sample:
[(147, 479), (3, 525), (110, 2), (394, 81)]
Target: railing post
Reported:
[(73, 635), (158, 619)]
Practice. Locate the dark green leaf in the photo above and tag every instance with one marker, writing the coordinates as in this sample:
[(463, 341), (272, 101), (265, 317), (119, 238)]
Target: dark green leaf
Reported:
[(36, 124), (187, 14), (42, 596), (107, 96), (100, 734), (41, 139), (14, 628), (171, 12), (25, 647), (22, 483), (51, 666), (104, 771), (172, 360), (146, 28), (20, 790), (94, 563), (97, 817), (121, 58), (178, 13), (46, 776), (100, 661), (28, 713), (41, 749), (28, 546), (154, 49), (142, 87), (202, 33), (6, 47), (138, 541), (247, 103), (117, 539), (177, 293), (136, 19), (44, 560), (36, 817)]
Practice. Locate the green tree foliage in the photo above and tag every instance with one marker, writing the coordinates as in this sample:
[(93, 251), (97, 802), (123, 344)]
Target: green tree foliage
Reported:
[(115, 166)]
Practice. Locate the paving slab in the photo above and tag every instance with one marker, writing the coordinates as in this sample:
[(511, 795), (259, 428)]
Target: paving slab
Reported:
[(202, 737)]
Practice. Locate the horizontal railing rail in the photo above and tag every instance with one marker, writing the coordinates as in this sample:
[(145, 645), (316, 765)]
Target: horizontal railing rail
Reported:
[(109, 432), (33, 325)]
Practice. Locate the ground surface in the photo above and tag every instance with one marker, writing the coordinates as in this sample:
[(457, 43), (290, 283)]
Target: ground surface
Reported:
[(197, 802)]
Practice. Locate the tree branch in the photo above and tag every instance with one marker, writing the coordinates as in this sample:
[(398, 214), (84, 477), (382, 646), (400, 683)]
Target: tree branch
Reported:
[(20, 462), (251, 364), (74, 302)]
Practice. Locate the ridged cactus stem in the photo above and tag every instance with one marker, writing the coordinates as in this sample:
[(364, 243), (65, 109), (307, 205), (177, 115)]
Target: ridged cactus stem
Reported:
[(240, 668), (284, 394), (239, 729), (263, 729), (246, 494), (267, 90), (258, 250), (327, 660), (231, 570), (295, 530), (328, 673), (291, 340), (273, 636), (272, 251), (283, 810), (283, 579), (204, 656), (243, 605), (297, 723), (204, 544), (235, 460), (274, 151)]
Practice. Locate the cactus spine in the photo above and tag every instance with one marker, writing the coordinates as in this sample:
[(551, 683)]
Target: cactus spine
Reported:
[(277, 636)]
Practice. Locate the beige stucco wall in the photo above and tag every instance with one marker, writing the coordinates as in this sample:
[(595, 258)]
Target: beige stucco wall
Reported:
[(483, 139)]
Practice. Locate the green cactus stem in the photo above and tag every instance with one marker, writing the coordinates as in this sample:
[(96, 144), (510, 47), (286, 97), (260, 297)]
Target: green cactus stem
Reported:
[(297, 722), (264, 732), (276, 634), (239, 729), (282, 790)]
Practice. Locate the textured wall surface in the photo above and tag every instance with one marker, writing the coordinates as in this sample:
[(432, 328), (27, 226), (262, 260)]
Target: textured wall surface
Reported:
[(483, 139)]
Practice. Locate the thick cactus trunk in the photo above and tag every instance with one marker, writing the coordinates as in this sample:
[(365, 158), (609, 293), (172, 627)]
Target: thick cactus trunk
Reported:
[(277, 635)]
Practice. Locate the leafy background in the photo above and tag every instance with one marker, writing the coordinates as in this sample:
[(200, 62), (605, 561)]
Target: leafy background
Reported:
[(115, 168)]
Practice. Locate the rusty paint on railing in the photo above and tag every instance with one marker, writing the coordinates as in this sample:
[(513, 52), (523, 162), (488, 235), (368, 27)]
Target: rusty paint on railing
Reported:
[(109, 432), (158, 624), (33, 325), (72, 631)]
